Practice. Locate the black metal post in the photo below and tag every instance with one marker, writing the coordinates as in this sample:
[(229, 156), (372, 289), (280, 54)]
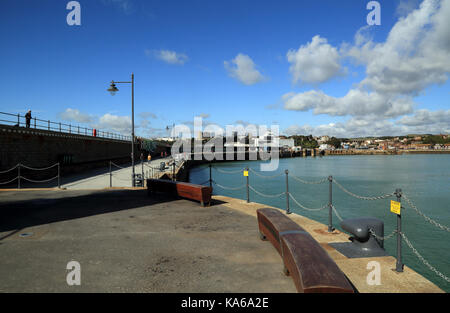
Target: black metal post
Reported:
[(288, 211), (18, 119), (35, 123), (399, 264), (142, 168), (330, 204), (59, 176), (210, 176), (48, 124), (132, 125), (248, 193), (173, 171), (110, 175)]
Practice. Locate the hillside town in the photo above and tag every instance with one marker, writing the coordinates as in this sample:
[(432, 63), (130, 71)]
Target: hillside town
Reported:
[(296, 143)]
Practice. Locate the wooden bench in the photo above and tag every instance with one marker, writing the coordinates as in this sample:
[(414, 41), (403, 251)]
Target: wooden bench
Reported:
[(181, 189), (309, 265)]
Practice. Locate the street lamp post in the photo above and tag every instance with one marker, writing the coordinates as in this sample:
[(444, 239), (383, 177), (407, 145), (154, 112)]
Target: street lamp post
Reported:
[(113, 89)]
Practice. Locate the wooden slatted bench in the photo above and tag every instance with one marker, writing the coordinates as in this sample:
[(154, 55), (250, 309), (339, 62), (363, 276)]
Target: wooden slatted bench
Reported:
[(309, 265), (181, 189)]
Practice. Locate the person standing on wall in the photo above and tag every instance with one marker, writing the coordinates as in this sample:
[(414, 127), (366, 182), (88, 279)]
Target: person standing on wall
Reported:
[(28, 118)]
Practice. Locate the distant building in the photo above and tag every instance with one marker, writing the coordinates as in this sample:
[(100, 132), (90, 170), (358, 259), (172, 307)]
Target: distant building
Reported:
[(287, 143), (325, 146)]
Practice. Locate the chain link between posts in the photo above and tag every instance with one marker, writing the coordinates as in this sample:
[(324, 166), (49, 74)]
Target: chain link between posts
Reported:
[(381, 237), (388, 195), (228, 172), (429, 220), (266, 195), (421, 258), (306, 208), (317, 182), (18, 177), (265, 176), (228, 188)]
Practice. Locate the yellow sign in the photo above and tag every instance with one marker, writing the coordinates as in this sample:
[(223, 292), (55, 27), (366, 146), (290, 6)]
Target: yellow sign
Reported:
[(395, 207), (245, 173)]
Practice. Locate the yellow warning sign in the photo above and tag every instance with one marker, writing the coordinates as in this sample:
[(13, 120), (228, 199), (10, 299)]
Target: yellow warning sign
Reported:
[(245, 173), (395, 207)]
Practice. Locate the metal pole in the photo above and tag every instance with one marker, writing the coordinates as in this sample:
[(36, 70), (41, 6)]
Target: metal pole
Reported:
[(35, 123), (330, 204), (210, 176), (18, 178), (18, 119), (288, 211), (399, 264), (132, 127), (59, 176), (248, 193), (142, 165), (48, 124), (173, 171), (110, 175)]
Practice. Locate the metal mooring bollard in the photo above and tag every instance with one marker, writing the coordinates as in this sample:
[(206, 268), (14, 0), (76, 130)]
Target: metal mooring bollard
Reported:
[(399, 264), (330, 204), (288, 210)]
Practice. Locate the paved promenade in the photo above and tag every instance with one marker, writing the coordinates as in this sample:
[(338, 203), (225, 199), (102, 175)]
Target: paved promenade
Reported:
[(126, 241), (121, 175)]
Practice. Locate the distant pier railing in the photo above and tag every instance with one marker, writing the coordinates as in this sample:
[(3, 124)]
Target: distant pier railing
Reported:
[(35, 123), (397, 194)]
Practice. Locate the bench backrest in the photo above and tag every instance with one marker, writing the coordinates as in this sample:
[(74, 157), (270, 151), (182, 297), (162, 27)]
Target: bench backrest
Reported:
[(310, 266), (272, 222)]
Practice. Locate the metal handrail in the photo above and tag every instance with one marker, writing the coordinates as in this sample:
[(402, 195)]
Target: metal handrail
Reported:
[(37, 123)]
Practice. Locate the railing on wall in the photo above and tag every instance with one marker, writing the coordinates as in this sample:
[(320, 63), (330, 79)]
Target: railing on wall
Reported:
[(35, 123)]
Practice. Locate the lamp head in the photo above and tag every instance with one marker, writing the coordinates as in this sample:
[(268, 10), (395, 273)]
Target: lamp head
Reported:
[(113, 89)]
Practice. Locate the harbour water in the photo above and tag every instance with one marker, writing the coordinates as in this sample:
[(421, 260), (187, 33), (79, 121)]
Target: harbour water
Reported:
[(423, 178)]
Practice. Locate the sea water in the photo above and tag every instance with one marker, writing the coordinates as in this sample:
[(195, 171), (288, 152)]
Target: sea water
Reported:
[(423, 178)]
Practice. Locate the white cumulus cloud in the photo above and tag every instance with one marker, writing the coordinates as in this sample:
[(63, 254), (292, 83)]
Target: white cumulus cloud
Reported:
[(414, 56), (74, 115), (168, 56), (243, 69), (120, 124), (315, 62)]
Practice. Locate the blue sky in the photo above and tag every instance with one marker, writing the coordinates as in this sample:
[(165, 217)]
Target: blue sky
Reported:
[(307, 66)]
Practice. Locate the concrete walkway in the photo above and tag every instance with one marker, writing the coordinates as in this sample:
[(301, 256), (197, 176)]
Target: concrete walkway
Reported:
[(126, 241), (121, 175)]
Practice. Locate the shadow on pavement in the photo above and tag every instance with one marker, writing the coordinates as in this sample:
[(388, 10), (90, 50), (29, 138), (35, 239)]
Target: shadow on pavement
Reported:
[(19, 210)]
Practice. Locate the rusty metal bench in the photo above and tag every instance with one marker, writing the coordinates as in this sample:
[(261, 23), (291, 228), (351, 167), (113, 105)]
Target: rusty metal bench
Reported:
[(309, 265), (181, 189)]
